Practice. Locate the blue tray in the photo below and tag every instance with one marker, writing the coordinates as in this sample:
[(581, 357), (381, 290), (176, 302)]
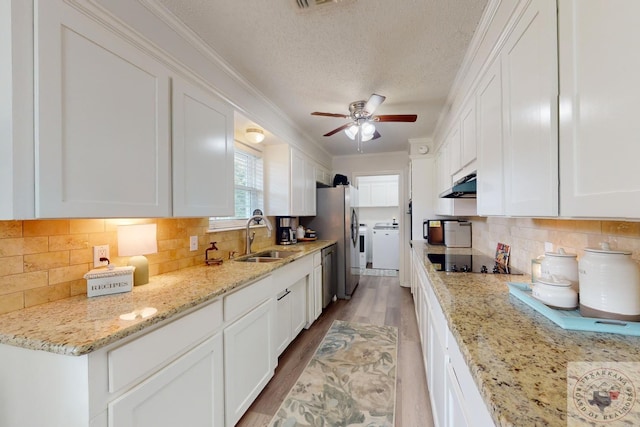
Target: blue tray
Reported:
[(571, 319)]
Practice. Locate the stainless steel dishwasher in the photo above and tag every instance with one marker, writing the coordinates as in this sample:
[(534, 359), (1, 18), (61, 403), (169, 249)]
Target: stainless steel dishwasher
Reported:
[(329, 278)]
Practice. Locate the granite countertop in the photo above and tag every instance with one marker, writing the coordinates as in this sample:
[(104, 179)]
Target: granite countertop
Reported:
[(517, 357), (80, 325)]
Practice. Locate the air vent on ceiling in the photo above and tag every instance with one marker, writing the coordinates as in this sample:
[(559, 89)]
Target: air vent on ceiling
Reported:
[(312, 4)]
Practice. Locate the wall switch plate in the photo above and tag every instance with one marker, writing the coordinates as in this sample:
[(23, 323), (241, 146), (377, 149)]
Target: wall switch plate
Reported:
[(193, 243), (101, 251), (548, 247)]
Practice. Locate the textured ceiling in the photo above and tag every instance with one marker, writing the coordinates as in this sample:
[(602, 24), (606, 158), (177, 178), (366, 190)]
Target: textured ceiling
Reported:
[(325, 58)]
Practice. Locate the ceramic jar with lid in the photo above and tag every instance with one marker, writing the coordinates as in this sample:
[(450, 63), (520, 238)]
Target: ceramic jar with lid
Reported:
[(555, 292), (609, 284), (562, 265)]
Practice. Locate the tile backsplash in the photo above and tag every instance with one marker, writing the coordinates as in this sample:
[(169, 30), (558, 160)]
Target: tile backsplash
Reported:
[(527, 236), (45, 260)]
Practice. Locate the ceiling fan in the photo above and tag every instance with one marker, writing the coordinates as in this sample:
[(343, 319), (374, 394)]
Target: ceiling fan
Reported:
[(362, 122)]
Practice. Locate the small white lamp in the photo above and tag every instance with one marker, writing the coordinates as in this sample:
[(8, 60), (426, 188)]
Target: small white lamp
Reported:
[(254, 135), (136, 241)]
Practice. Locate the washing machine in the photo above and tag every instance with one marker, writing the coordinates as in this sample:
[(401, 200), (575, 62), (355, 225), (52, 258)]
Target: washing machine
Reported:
[(363, 238), (386, 246)]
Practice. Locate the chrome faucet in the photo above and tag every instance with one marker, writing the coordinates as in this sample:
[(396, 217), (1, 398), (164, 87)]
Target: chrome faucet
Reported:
[(252, 236)]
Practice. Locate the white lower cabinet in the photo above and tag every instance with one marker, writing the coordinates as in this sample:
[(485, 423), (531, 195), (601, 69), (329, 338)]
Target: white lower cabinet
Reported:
[(293, 285), (455, 398), (292, 313), (315, 290), (190, 391), (204, 368), (249, 360), (456, 416)]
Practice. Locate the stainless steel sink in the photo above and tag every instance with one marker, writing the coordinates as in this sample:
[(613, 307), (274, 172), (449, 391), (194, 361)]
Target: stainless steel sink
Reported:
[(267, 256), (259, 259)]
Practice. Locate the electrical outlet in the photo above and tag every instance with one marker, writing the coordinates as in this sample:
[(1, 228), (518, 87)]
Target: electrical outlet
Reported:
[(101, 251), (548, 247), (193, 243)]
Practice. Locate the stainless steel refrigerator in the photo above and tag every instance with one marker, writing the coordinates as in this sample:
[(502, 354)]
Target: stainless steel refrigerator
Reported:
[(337, 219)]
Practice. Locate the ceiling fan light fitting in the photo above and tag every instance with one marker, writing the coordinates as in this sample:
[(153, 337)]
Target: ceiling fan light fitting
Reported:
[(254, 135), (368, 129), (351, 131)]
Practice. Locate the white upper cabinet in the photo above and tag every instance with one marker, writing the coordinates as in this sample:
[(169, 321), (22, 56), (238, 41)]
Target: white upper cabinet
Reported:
[(455, 151), (490, 197), (468, 133), (290, 184), (202, 153), (530, 90), (102, 121), (378, 191), (599, 92)]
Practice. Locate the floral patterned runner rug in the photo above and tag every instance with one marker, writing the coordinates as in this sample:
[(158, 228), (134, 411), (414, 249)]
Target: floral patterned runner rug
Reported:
[(350, 381)]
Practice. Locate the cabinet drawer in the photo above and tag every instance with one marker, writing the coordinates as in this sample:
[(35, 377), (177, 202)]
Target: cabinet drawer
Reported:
[(317, 259), (246, 298), (136, 360)]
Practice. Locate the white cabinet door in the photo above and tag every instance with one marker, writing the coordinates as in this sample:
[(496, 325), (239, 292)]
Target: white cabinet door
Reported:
[(202, 151), (249, 359), (599, 92), (189, 391), (456, 416), (309, 188), (379, 194), (316, 291), (102, 121), (16, 110), (530, 90), (490, 197), (453, 143), (443, 180), (468, 136), (298, 306), (436, 369), (283, 320), (298, 183), (290, 185)]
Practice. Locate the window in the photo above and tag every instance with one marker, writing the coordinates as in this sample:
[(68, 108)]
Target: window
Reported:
[(248, 192)]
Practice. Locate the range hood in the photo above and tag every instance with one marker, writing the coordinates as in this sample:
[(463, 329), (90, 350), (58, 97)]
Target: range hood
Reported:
[(464, 188)]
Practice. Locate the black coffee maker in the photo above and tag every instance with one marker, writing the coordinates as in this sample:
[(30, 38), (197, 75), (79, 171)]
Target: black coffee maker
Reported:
[(285, 230)]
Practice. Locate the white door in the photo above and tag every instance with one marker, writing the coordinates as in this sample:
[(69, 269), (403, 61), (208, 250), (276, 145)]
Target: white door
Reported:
[(190, 391), (102, 121), (202, 150), (249, 362), (599, 92), (530, 90)]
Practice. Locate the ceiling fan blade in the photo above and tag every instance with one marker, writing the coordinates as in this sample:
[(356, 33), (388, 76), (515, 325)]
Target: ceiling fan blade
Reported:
[(374, 102), (395, 118), (376, 135), (333, 132), (343, 116)]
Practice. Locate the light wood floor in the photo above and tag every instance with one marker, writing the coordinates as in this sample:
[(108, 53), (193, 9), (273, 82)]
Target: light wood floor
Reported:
[(377, 300)]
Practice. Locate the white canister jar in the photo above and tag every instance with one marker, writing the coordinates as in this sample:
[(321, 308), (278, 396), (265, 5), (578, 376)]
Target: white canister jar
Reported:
[(300, 232), (562, 265), (609, 284)]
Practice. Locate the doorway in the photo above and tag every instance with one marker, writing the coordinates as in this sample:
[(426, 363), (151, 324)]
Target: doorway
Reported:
[(380, 216)]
